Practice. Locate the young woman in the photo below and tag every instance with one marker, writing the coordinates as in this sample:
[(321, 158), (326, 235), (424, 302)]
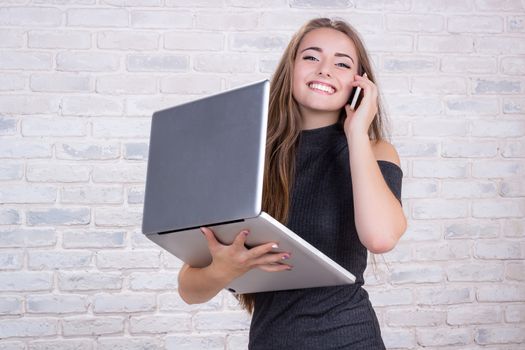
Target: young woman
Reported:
[(331, 178)]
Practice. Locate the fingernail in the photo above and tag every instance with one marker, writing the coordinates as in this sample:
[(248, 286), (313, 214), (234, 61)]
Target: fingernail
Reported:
[(286, 257), (202, 230), (275, 246), (245, 232)]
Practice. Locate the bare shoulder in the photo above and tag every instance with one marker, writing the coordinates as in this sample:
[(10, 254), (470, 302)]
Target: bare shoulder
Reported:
[(383, 150)]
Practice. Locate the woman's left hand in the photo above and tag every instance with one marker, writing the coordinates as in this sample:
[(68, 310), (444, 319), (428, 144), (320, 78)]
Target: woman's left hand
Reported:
[(358, 121)]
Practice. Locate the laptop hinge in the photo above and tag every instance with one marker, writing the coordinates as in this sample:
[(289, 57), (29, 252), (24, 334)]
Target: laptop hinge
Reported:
[(206, 225)]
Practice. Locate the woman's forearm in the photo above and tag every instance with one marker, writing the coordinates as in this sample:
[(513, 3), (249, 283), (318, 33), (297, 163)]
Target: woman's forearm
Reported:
[(198, 285)]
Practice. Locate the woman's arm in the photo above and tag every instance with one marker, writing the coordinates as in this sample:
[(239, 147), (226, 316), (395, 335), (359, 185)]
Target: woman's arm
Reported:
[(198, 285)]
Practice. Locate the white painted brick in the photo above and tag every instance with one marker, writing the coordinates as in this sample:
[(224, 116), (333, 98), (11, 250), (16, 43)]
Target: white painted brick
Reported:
[(501, 293), (422, 231), (420, 189), (196, 3), (145, 105), (473, 314), (255, 42), (496, 86), (414, 23), (513, 65), (134, 343), (161, 19), (416, 274), (418, 317), (157, 63), (514, 228), (498, 208), (237, 341), (471, 105), (172, 302), (55, 303), (133, 3), (499, 335), (515, 313), (468, 189), (11, 38), (8, 216), (487, 5), (443, 336), (440, 169), (208, 41), (122, 127), (496, 249), (468, 64), (388, 43), (515, 271), (445, 43), (28, 327), (12, 81), (22, 237), (91, 106), (93, 239), (475, 272), (30, 16), (120, 217), (135, 195), (417, 148), (120, 173), (59, 39), (398, 338), (128, 259), (25, 60), (26, 104), (10, 305), (11, 171), (92, 195), (402, 5), (46, 259), (446, 251), (195, 84), (104, 303), (57, 172), (85, 281), (11, 260), (224, 63), (153, 281), (472, 230), (501, 128), (291, 20), (25, 281), (125, 84), (516, 24), (87, 325), (475, 24), (24, 149), (139, 240), (58, 216), (28, 193), (439, 85), (61, 344), (8, 126), (87, 61), (512, 149), (443, 6), (439, 209), (439, 127), (411, 106), (226, 320), (433, 296), (87, 150), (157, 324), (97, 17), (128, 40), (226, 21), (60, 82), (493, 44), (191, 342), (53, 127), (390, 297), (136, 151), (170, 261), (474, 149)]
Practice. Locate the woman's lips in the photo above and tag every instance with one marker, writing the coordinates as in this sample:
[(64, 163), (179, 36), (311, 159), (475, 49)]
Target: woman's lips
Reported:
[(320, 87)]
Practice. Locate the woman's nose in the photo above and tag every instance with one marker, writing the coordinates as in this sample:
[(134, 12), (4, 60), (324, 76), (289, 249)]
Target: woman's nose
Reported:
[(325, 70)]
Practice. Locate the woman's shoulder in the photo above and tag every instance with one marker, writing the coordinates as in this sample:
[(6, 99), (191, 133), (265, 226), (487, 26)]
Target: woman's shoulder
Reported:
[(384, 150)]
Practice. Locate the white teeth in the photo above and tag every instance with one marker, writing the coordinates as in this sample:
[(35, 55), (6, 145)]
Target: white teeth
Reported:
[(321, 87)]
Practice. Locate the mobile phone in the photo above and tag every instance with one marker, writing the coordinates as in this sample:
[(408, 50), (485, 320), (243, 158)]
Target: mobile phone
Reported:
[(355, 94)]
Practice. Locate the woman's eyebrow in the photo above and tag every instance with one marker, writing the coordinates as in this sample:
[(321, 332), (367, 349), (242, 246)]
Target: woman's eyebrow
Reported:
[(337, 54)]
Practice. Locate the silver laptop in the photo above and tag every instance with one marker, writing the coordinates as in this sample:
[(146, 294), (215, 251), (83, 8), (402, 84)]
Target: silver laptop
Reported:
[(205, 168)]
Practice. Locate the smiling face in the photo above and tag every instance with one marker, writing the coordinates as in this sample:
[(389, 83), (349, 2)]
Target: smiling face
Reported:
[(324, 67)]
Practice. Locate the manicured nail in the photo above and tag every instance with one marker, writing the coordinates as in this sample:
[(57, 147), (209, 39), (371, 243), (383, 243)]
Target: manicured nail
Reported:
[(202, 230), (275, 246), (286, 257), (245, 232)]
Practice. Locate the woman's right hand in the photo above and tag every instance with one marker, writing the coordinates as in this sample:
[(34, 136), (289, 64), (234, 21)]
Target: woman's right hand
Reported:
[(232, 261)]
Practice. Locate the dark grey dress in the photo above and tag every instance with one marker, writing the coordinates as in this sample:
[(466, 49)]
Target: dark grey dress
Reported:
[(322, 212)]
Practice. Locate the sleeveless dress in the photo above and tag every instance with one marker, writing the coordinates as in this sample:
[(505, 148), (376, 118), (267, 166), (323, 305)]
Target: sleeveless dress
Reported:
[(322, 213)]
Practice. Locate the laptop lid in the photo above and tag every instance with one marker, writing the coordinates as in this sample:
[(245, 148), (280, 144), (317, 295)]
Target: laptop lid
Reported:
[(191, 182)]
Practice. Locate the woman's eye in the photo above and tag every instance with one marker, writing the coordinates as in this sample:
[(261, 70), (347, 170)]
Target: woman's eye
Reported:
[(344, 65), (309, 58)]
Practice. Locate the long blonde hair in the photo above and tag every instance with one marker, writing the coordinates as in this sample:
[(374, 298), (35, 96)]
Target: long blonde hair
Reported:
[(284, 124)]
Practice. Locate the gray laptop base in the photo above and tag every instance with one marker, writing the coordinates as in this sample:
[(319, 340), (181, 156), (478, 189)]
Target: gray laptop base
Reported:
[(311, 268)]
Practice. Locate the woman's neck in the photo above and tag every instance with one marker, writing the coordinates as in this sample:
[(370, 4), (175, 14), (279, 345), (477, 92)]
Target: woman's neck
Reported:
[(317, 119)]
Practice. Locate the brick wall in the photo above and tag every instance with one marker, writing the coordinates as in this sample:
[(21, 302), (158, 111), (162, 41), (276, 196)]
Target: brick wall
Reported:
[(79, 80)]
